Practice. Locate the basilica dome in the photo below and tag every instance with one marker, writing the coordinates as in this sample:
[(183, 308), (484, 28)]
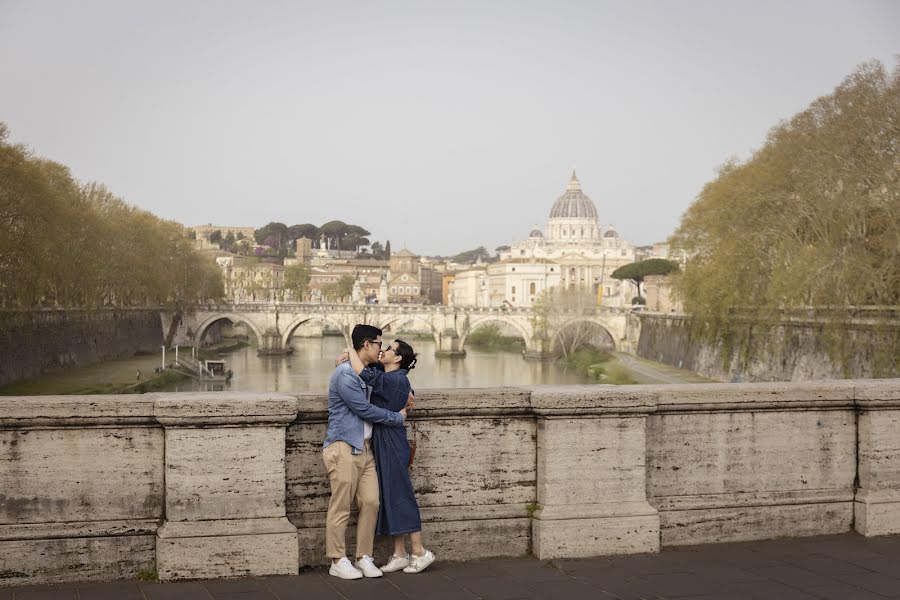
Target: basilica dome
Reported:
[(573, 204)]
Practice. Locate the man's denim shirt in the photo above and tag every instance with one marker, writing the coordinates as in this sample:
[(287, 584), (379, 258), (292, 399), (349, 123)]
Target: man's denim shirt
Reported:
[(348, 407)]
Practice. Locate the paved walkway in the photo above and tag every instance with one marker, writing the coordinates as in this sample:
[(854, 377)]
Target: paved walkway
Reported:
[(845, 567), (648, 371)]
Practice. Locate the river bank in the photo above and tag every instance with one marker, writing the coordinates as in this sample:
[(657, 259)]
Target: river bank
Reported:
[(135, 375)]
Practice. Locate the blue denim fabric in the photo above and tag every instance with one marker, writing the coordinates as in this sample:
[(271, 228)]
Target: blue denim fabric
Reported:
[(389, 386), (348, 407)]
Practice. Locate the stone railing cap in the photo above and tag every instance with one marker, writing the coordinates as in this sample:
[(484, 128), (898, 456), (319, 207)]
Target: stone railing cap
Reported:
[(592, 399), (439, 402), (755, 396), (878, 393), (225, 408), (70, 411)]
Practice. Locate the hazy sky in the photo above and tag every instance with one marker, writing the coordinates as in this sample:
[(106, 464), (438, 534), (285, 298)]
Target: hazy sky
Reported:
[(441, 125)]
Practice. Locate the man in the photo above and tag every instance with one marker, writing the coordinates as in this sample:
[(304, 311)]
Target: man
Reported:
[(349, 461)]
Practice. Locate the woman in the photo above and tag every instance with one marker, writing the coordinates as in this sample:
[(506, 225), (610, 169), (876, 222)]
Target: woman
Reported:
[(399, 513)]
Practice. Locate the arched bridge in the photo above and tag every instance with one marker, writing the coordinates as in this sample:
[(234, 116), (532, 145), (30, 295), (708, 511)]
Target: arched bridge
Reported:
[(274, 323)]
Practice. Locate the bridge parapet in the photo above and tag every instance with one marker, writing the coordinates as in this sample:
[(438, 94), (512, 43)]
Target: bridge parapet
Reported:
[(273, 323), (225, 484)]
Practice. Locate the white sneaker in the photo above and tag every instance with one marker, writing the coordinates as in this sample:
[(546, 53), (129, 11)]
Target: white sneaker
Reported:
[(344, 569), (367, 566), (419, 563), (396, 563)]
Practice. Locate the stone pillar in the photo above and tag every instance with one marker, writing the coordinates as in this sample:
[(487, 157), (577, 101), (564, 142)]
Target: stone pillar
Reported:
[(448, 344), (877, 502), (225, 486), (591, 473), (270, 344)]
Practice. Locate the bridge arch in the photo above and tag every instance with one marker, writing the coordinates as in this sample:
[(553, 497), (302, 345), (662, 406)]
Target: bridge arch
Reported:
[(515, 323), (301, 319), (610, 331), (234, 318), (411, 318)]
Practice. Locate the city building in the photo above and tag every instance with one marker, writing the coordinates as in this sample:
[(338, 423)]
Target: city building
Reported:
[(574, 250)]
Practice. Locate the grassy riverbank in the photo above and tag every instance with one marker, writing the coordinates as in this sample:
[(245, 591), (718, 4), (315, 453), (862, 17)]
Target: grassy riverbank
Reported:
[(108, 377), (600, 366), (489, 339)]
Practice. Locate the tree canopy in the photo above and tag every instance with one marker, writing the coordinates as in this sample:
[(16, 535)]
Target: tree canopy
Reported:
[(811, 221), (636, 272), (69, 244), (472, 256), (339, 236), (296, 280)]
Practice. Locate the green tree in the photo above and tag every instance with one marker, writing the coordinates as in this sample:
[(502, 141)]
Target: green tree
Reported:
[(472, 256), (555, 321), (812, 219), (274, 232), (340, 289), (387, 250), (296, 280), (68, 244), (216, 237), (334, 232), (636, 272)]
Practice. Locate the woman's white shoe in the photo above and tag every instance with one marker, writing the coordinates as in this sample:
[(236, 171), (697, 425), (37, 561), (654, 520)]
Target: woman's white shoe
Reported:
[(396, 563), (419, 563)]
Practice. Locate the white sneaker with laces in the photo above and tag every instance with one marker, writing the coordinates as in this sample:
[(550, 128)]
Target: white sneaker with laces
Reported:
[(344, 569), (396, 563), (419, 563), (367, 566)]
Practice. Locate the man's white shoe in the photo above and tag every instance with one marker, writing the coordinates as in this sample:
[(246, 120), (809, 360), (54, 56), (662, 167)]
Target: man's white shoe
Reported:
[(396, 563), (367, 566), (344, 569), (419, 563)]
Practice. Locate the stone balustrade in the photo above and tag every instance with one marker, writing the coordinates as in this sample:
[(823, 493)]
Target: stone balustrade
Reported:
[(229, 484)]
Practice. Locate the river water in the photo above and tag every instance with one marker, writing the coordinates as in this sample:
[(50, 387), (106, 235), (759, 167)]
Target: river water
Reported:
[(311, 364)]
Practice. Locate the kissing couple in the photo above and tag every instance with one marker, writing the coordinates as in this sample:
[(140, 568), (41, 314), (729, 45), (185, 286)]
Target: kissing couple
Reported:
[(367, 457)]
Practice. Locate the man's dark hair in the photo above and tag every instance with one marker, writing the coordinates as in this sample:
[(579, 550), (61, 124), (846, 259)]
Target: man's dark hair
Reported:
[(407, 355), (361, 333)]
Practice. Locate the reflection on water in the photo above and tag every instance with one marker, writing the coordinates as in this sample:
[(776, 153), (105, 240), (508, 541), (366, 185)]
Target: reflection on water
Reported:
[(311, 364)]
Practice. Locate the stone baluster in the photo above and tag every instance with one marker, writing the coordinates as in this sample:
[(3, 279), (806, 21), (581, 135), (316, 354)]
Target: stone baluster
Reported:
[(225, 486), (877, 502), (591, 473)]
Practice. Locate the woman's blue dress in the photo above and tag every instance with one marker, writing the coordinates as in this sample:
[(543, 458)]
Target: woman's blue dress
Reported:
[(399, 511)]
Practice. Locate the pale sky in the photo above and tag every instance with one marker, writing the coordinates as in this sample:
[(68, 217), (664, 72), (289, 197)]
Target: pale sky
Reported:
[(439, 125)]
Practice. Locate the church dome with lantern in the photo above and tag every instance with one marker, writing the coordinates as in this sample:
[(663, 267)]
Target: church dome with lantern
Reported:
[(573, 218)]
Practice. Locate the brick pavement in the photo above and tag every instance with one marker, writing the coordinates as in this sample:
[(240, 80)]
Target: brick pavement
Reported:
[(845, 567)]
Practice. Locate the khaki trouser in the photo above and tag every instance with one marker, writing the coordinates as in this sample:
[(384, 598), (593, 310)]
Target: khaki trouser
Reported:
[(352, 476)]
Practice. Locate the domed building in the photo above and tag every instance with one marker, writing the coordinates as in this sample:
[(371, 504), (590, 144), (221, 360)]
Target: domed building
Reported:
[(573, 226), (573, 250), (573, 218)]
